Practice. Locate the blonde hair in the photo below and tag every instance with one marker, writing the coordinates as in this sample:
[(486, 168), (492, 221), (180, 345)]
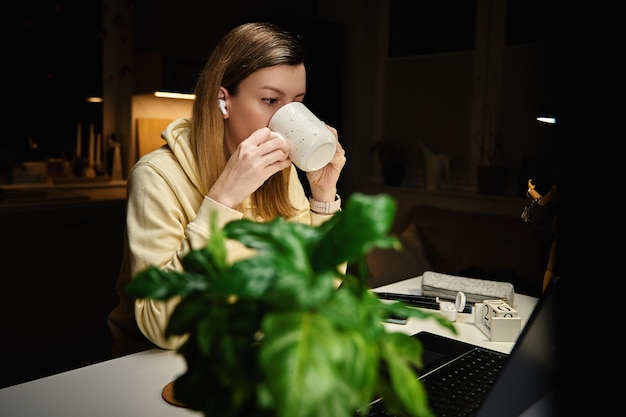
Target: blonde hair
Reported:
[(242, 51)]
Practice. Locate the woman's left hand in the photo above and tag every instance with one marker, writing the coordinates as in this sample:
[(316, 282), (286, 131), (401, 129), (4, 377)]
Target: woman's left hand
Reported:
[(323, 182)]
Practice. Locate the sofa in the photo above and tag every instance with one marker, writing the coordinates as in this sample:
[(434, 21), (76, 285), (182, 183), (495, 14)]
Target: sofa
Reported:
[(471, 244)]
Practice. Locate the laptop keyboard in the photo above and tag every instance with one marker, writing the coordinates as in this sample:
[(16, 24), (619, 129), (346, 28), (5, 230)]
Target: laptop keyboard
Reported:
[(459, 389)]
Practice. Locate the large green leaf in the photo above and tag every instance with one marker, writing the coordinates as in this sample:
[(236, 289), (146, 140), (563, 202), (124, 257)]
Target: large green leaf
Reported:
[(301, 356), (362, 225), (161, 284)]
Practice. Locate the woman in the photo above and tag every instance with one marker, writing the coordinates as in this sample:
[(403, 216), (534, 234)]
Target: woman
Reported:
[(220, 160)]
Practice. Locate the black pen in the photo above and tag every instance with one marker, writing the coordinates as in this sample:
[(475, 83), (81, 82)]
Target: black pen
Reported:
[(415, 300)]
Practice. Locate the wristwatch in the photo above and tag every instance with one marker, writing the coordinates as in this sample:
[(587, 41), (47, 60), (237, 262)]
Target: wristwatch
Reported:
[(325, 207)]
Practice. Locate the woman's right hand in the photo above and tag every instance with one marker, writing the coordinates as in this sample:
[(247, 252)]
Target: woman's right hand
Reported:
[(255, 160)]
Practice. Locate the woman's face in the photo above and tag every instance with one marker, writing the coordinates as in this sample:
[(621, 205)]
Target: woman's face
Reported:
[(258, 97)]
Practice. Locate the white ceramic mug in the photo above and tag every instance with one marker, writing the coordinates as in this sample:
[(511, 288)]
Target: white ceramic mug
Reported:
[(312, 143)]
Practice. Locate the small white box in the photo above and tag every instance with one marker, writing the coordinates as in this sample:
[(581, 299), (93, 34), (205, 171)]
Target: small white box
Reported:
[(497, 320)]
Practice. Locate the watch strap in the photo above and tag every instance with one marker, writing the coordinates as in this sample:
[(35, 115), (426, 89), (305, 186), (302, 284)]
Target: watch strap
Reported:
[(325, 207)]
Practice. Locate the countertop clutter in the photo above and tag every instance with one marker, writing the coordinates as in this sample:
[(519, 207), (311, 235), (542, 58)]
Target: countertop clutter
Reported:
[(99, 189), (93, 176)]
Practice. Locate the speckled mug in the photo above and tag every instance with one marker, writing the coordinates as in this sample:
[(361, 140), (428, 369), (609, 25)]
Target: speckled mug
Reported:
[(312, 143)]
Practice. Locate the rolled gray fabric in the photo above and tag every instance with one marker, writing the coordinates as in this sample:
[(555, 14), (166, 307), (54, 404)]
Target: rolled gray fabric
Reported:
[(445, 286)]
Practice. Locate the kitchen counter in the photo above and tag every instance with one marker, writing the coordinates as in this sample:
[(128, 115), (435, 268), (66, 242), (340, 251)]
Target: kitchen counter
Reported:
[(61, 250), (65, 194)]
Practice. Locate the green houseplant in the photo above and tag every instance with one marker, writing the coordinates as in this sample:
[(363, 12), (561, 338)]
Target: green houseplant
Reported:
[(274, 335)]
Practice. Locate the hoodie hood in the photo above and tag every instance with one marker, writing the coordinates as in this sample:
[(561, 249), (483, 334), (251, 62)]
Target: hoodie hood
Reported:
[(176, 135)]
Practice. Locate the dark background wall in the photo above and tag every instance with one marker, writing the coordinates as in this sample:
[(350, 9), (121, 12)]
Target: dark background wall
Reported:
[(54, 61), (58, 62)]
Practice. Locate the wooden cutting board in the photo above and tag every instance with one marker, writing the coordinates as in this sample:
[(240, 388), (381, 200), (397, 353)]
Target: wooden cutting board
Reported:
[(149, 134)]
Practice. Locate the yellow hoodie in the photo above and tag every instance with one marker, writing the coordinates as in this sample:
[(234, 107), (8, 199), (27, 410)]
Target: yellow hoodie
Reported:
[(166, 217)]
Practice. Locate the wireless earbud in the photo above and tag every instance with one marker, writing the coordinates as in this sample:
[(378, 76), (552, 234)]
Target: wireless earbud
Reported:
[(222, 105)]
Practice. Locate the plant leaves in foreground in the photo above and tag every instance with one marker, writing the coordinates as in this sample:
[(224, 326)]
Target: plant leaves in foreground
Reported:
[(272, 335)]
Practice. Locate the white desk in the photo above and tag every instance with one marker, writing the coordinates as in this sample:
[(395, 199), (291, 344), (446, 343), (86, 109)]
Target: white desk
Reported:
[(131, 386), (466, 330)]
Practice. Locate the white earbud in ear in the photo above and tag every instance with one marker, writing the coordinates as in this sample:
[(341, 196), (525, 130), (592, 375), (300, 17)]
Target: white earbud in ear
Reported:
[(222, 105)]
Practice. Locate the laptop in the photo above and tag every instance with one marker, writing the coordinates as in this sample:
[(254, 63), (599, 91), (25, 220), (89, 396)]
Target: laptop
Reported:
[(522, 383)]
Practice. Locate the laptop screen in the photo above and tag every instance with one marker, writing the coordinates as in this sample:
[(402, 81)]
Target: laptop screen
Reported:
[(530, 373)]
